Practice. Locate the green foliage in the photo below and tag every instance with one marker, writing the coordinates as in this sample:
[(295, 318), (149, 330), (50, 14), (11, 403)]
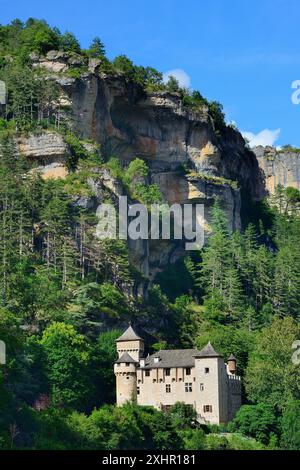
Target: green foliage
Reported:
[(19, 39), (114, 166), (215, 442), (67, 356), (96, 49), (271, 376), (193, 439), (258, 421), (136, 169), (69, 43), (147, 77), (104, 355), (290, 425), (147, 194), (64, 293), (172, 85), (182, 415), (94, 303), (216, 112), (134, 179)]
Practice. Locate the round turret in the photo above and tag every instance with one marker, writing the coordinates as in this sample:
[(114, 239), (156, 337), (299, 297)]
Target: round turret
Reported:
[(125, 372), (232, 364)]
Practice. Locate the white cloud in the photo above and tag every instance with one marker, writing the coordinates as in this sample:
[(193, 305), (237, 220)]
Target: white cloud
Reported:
[(183, 78), (264, 137)]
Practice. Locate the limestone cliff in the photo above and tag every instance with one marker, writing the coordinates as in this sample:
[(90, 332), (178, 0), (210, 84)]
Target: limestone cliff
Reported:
[(189, 159), (279, 166), (129, 123)]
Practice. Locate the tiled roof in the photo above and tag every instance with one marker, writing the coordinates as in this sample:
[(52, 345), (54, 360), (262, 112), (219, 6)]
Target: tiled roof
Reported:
[(126, 358), (172, 358), (128, 335), (208, 351)]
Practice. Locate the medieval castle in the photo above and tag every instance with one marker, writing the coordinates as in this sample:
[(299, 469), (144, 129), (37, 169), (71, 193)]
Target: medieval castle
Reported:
[(200, 379)]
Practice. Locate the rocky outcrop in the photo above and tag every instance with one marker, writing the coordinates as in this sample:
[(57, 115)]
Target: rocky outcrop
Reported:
[(188, 159), (57, 61), (279, 166), (129, 123), (157, 127), (44, 147), (48, 151)]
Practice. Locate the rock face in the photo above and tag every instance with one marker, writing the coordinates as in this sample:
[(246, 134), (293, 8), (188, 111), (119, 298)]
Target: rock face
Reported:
[(157, 127), (188, 159), (129, 123), (279, 166), (48, 150)]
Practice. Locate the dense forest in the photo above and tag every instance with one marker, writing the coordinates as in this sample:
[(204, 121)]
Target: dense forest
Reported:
[(65, 297)]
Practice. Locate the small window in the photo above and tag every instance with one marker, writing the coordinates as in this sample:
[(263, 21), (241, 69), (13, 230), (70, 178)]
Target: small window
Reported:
[(206, 370), (127, 364), (168, 388), (188, 387), (138, 390), (188, 371), (147, 373), (207, 409), (167, 371), (201, 387)]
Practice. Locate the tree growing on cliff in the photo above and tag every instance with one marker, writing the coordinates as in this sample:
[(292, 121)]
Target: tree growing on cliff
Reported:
[(96, 48)]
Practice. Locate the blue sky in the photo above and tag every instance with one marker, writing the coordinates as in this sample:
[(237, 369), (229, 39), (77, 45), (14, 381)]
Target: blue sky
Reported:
[(243, 53)]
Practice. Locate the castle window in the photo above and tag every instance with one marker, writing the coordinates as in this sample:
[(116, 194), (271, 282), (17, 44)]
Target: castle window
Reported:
[(188, 371), (206, 370), (127, 364), (201, 387), (167, 371), (165, 408), (168, 388), (207, 409), (188, 387), (138, 390), (147, 373)]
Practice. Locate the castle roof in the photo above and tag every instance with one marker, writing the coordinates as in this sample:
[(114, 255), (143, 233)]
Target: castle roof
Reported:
[(129, 335), (232, 358), (208, 351), (125, 358), (169, 358)]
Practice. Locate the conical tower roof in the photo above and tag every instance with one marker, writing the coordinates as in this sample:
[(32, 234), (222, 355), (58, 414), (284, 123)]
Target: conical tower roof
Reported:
[(208, 351), (125, 358), (232, 358), (129, 335)]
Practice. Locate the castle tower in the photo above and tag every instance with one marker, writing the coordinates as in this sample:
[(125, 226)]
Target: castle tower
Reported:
[(130, 348), (131, 343), (213, 390)]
